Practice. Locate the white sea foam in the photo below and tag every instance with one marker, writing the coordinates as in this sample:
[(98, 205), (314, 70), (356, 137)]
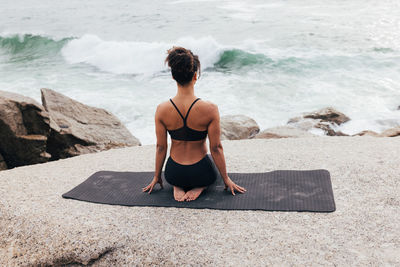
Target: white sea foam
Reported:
[(123, 57), (239, 10), (187, 1)]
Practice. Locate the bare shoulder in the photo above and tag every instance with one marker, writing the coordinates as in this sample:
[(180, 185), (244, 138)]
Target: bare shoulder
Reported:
[(209, 106), (163, 107)]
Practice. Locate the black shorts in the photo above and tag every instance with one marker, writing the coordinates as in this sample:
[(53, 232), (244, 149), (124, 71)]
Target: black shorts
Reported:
[(201, 173)]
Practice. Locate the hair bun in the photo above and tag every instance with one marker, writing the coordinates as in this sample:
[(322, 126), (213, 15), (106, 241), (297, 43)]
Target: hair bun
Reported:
[(183, 64)]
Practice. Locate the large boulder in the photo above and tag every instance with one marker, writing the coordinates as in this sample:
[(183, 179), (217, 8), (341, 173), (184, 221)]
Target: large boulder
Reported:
[(24, 130), (328, 114), (283, 132), (235, 127), (326, 119), (79, 129), (3, 164), (393, 132)]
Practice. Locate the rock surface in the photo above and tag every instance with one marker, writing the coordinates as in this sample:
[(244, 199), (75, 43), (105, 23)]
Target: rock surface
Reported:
[(24, 130), (79, 129), (31, 133), (3, 164), (367, 133), (326, 119), (328, 114), (283, 132), (393, 132), (40, 228), (235, 127)]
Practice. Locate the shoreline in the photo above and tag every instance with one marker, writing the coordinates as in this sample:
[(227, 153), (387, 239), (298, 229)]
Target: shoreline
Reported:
[(40, 227), (61, 127)]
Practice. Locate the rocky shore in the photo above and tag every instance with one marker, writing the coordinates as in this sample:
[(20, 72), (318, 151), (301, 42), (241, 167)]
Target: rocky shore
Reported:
[(40, 228), (321, 122), (61, 127), (58, 128)]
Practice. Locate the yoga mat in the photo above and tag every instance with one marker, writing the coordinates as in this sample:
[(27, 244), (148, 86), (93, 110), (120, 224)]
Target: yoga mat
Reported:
[(282, 190)]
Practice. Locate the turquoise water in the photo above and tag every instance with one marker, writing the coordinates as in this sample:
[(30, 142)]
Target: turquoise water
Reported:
[(270, 61)]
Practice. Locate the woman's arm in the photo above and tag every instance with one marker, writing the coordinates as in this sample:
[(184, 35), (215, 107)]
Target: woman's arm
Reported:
[(217, 152), (162, 145), (216, 149), (161, 151)]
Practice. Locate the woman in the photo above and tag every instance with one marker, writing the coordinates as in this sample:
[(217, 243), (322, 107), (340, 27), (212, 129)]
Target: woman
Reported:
[(189, 169)]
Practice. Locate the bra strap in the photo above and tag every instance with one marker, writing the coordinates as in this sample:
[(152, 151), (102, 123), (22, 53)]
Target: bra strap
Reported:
[(187, 113), (177, 109)]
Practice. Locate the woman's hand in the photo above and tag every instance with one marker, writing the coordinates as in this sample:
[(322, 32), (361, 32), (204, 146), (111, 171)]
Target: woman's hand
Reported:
[(155, 181), (232, 186)]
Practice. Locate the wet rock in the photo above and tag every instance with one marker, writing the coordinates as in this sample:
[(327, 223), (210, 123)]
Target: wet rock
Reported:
[(24, 130), (367, 133), (235, 127), (329, 129), (328, 114), (393, 132), (79, 129), (326, 119), (283, 132)]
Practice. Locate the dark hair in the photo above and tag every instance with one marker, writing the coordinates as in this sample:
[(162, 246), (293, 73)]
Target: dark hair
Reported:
[(183, 64)]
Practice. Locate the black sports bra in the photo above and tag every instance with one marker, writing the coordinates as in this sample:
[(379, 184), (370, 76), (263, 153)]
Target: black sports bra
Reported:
[(185, 133)]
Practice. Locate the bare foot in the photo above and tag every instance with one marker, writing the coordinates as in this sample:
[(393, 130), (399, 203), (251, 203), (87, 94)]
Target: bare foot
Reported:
[(179, 193), (193, 193)]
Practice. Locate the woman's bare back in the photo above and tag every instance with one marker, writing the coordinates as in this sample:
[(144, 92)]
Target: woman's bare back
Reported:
[(187, 152)]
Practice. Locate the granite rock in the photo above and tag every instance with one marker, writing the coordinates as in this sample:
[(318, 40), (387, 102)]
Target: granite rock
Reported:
[(393, 132), (80, 129), (367, 133), (24, 130), (326, 119), (3, 165), (235, 127), (40, 228), (328, 114)]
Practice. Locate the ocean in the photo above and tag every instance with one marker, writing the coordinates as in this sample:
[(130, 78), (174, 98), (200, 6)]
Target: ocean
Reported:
[(270, 60)]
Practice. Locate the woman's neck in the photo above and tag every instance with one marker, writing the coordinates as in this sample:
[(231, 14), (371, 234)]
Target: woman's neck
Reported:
[(185, 91)]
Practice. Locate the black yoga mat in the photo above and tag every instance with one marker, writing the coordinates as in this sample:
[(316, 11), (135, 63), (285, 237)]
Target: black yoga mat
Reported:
[(282, 190)]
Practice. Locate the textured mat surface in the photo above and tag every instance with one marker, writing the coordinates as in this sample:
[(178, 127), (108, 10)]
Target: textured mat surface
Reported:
[(282, 190)]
